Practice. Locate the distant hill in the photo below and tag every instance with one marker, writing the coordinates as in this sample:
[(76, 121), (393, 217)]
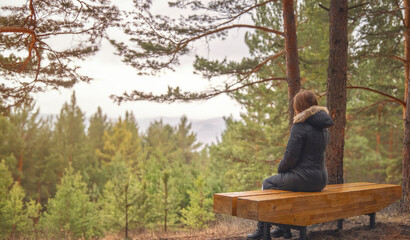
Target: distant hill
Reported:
[(207, 131)]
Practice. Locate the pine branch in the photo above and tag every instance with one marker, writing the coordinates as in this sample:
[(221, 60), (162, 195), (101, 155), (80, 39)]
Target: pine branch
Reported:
[(325, 8), (184, 43), (31, 45), (246, 11), (401, 102), (175, 95), (359, 5), (365, 108)]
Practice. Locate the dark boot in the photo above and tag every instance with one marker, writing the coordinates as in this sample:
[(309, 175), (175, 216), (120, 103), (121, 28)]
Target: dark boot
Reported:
[(281, 232), (258, 234)]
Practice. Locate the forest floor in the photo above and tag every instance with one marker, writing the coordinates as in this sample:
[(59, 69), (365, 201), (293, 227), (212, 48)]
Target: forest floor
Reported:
[(389, 225)]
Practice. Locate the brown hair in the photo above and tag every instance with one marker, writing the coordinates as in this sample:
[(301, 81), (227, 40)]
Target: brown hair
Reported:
[(304, 100)]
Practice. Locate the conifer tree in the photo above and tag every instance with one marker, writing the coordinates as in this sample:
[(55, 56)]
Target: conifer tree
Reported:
[(99, 124), (186, 159), (167, 39), (199, 211), (122, 139), (166, 172), (9, 143), (29, 33), (69, 139), (123, 201), (42, 175), (253, 146), (27, 125), (16, 215), (70, 213)]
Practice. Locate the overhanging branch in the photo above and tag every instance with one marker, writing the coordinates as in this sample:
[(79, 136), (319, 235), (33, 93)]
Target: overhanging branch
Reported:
[(247, 10), (175, 94), (359, 5), (31, 45), (184, 43), (401, 102)]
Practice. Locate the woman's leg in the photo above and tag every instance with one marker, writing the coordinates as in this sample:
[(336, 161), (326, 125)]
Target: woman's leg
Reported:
[(273, 182)]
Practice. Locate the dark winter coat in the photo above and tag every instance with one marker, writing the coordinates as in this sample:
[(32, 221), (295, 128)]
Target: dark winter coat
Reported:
[(302, 168)]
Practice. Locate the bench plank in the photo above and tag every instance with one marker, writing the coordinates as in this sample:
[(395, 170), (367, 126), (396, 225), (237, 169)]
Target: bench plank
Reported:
[(225, 203), (307, 208)]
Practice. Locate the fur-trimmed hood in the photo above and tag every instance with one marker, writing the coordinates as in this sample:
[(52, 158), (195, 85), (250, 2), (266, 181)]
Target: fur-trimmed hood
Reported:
[(317, 116)]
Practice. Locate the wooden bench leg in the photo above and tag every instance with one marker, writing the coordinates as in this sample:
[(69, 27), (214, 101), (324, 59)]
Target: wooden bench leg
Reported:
[(266, 231), (372, 220), (302, 233), (340, 224)]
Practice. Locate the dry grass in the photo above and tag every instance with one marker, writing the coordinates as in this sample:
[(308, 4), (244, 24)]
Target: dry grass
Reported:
[(389, 225), (228, 227)]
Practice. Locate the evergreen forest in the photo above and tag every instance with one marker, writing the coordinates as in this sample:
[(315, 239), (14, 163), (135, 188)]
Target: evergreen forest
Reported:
[(69, 177)]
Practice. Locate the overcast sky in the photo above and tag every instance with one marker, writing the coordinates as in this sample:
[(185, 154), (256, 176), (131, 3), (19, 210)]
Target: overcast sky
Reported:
[(111, 76)]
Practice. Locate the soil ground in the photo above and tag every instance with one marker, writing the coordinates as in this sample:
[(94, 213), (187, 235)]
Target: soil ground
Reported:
[(389, 225)]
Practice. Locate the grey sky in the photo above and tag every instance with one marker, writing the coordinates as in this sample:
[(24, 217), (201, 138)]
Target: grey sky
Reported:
[(111, 76)]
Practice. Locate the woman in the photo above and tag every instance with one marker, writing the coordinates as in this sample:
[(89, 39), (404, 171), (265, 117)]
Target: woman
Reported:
[(302, 168)]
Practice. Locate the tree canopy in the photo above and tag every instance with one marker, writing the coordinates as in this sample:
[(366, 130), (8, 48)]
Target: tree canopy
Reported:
[(35, 55)]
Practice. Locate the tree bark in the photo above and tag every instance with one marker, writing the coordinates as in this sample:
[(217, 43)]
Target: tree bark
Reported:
[(126, 211), (292, 60), (166, 205), (405, 203), (336, 88), (20, 166)]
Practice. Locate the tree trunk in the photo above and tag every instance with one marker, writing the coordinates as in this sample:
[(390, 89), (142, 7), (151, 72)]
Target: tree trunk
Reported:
[(166, 203), (292, 61), (405, 203), (126, 212), (38, 191), (20, 166), (391, 143), (379, 126), (336, 88)]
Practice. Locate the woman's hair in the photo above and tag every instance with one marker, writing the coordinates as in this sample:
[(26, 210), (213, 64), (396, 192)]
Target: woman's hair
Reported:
[(303, 100)]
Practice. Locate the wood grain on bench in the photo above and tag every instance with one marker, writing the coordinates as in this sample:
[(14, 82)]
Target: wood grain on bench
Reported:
[(226, 203), (307, 208)]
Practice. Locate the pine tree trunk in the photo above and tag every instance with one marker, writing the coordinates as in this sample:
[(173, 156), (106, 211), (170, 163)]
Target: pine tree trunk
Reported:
[(405, 202), (166, 203), (336, 88), (20, 166), (126, 212), (379, 126), (292, 61), (391, 143), (378, 135), (38, 191)]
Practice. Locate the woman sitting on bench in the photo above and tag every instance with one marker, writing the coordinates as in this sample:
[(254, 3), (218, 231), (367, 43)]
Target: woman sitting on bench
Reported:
[(302, 168)]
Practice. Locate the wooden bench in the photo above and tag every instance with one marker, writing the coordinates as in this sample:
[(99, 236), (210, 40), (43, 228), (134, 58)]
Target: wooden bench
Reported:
[(298, 210)]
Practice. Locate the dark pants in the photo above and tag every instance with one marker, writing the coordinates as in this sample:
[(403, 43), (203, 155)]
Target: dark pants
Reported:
[(273, 182)]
